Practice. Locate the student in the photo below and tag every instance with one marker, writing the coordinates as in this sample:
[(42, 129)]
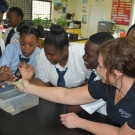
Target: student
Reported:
[(14, 17), (58, 57), (91, 62), (3, 9), (116, 65), (23, 51), (131, 32)]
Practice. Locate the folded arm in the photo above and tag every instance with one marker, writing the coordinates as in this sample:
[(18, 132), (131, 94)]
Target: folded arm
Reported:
[(71, 120)]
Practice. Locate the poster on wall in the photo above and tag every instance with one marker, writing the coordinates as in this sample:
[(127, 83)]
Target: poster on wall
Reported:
[(84, 1), (121, 11), (60, 6), (84, 9), (84, 19), (99, 1)]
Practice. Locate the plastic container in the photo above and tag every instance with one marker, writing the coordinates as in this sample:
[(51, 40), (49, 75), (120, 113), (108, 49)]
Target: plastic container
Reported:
[(14, 101)]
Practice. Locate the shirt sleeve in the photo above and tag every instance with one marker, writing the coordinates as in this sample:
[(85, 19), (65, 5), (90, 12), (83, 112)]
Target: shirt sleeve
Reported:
[(131, 121), (97, 90), (7, 56), (39, 70)]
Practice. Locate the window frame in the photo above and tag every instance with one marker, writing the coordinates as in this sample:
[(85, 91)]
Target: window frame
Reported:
[(31, 11)]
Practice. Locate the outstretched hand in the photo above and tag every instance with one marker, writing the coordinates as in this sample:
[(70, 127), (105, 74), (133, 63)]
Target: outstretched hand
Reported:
[(70, 120), (26, 70)]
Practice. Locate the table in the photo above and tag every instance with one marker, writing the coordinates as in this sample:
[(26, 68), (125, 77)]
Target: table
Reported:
[(43, 119)]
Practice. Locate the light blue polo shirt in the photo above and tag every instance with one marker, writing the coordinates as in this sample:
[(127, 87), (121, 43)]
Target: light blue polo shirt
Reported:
[(10, 56)]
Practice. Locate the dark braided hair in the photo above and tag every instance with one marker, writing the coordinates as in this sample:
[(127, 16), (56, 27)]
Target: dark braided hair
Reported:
[(24, 28), (57, 37)]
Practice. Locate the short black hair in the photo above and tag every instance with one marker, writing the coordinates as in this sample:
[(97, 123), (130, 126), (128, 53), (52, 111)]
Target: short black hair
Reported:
[(17, 10), (24, 28), (132, 27), (3, 6), (57, 37), (100, 37)]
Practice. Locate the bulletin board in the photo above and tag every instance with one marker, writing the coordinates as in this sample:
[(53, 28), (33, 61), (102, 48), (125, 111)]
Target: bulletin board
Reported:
[(121, 11)]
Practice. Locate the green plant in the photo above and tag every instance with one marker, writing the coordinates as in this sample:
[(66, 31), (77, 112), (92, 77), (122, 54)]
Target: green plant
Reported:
[(44, 22), (38, 20), (62, 21)]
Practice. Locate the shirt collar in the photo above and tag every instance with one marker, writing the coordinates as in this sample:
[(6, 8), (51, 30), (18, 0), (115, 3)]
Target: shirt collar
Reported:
[(15, 29), (60, 67)]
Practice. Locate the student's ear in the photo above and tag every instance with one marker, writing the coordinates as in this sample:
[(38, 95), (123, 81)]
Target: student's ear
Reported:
[(65, 50), (19, 18)]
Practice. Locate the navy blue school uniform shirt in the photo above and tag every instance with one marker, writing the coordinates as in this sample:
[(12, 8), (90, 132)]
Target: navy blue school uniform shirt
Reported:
[(10, 56), (123, 111)]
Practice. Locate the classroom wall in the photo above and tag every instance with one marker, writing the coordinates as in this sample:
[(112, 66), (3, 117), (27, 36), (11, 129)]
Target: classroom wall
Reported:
[(69, 9), (75, 6)]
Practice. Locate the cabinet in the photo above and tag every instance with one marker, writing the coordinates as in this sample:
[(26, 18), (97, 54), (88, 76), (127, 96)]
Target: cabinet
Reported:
[(70, 30), (81, 41), (40, 43), (78, 31), (74, 30)]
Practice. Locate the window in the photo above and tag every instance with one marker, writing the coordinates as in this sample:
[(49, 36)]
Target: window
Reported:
[(32, 7), (42, 8), (25, 5)]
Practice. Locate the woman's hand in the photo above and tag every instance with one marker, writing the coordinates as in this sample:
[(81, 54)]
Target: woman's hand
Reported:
[(27, 87), (70, 120), (26, 70)]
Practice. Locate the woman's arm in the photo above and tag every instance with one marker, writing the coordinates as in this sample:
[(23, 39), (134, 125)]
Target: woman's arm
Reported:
[(71, 120), (75, 96)]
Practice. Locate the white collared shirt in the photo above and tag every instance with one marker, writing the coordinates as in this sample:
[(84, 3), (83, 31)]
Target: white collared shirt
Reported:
[(14, 38), (76, 73), (99, 105), (2, 44)]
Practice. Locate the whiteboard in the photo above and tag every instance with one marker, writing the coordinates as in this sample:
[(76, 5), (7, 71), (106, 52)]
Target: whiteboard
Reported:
[(95, 14)]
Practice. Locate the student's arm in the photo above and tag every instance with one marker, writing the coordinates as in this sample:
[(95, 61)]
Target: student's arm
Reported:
[(86, 82), (71, 120), (5, 63), (74, 108), (39, 82), (7, 56)]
